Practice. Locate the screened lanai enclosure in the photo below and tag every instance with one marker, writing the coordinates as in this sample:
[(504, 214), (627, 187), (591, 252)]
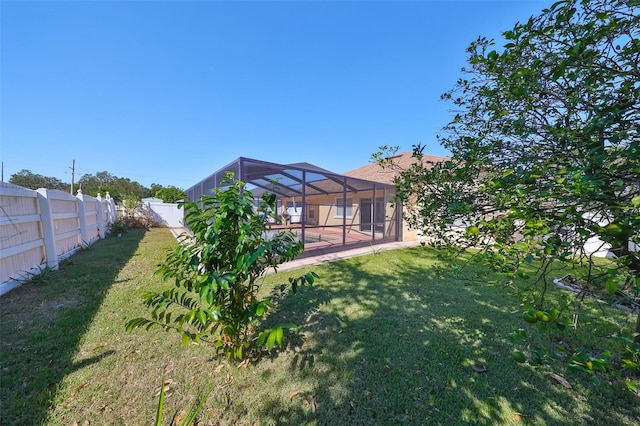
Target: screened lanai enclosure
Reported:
[(326, 210)]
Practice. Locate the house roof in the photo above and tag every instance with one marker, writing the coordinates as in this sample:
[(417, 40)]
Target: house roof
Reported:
[(374, 172)]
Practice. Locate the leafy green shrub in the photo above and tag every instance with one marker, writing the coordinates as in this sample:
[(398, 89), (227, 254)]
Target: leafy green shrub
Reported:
[(218, 270), (118, 227)]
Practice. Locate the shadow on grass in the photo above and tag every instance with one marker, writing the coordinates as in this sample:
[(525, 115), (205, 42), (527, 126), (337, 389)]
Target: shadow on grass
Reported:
[(406, 344), (43, 321)]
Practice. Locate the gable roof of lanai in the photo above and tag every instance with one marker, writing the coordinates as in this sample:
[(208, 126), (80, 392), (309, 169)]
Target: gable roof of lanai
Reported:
[(285, 180)]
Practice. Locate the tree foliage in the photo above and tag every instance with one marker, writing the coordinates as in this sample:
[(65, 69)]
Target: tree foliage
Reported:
[(118, 188), (27, 179), (218, 270), (168, 194), (545, 150)]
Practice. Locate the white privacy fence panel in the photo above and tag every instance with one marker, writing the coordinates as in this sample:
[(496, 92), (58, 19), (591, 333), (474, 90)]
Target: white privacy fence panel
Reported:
[(65, 219), (91, 210), (110, 209), (109, 214), (39, 228), (21, 237), (169, 214)]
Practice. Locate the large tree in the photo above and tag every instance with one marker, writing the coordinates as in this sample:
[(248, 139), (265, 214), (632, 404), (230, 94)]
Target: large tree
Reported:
[(169, 194), (545, 149), (94, 184), (118, 188), (27, 179)]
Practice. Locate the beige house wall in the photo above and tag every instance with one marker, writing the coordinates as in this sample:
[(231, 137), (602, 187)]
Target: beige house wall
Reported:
[(324, 213), (387, 175), (408, 233), (321, 210)]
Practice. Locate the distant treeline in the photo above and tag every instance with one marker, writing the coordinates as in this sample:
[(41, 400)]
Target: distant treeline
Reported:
[(120, 189)]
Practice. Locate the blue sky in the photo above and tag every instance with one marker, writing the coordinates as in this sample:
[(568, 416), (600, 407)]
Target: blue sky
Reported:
[(168, 92)]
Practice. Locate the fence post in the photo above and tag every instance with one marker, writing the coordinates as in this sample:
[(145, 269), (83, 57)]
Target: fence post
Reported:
[(83, 219), (101, 222), (113, 214), (46, 216), (114, 211)]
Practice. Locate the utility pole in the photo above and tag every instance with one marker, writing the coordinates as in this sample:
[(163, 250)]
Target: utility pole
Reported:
[(73, 171), (2, 178)]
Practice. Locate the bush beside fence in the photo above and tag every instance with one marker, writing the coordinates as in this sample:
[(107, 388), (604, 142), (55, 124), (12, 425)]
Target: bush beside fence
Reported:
[(40, 228)]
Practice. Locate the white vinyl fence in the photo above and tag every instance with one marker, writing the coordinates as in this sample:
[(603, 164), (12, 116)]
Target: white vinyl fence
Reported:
[(168, 214), (40, 228)]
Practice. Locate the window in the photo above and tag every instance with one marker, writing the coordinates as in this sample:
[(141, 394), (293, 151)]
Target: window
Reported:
[(340, 209)]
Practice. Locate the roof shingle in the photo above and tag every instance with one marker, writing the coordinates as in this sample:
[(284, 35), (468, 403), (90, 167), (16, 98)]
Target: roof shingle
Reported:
[(403, 160)]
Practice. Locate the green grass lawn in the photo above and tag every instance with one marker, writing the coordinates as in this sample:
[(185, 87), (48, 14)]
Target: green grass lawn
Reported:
[(384, 339)]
